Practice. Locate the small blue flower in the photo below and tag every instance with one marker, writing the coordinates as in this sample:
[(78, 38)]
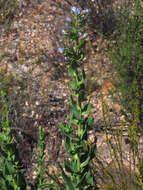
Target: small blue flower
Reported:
[(84, 35), (79, 34), (66, 25), (68, 19), (75, 10), (63, 32), (60, 50), (85, 10), (83, 17), (65, 58)]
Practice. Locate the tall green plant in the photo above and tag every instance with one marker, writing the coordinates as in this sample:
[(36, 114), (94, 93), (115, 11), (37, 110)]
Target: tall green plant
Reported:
[(127, 57), (11, 176), (41, 181), (78, 175)]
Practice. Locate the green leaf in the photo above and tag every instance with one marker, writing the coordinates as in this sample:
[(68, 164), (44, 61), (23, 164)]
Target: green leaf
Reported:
[(85, 162), (73, 103), (69, 52), (90, 123), (86, 109), (74, 121), (10, 167), (83, 74), (9, 178), (80, 85), (67, 180), (83, 134), (66, 129), (71, 71), (82, 181), (3, 184), (92, 151), (72, 84), (82, 43), (75, 113), (89, 178), (82, 96), (67, 144), (43, 186), (68, 167)]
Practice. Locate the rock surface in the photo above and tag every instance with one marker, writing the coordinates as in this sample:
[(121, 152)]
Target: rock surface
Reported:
[(29, 52)]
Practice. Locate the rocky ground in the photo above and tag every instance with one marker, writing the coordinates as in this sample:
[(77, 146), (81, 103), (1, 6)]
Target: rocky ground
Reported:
[(29, 50)]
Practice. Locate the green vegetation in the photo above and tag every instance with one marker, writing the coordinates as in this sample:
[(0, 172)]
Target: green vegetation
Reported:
[(77, 146), (41, 182), (127, 58), (8, 10), (118, 175), (11, 176), (5, 86)]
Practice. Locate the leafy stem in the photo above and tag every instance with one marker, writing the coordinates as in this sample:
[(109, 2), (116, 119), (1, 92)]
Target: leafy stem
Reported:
[(75, 132)]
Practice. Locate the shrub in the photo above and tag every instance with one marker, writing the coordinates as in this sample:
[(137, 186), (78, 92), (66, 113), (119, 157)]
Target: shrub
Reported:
[(124, 171), (11, 175), (127, 58), (8, 9)]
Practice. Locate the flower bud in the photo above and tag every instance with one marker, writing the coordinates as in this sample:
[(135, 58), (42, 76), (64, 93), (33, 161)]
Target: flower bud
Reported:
[(76, 10), (60, 50)]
